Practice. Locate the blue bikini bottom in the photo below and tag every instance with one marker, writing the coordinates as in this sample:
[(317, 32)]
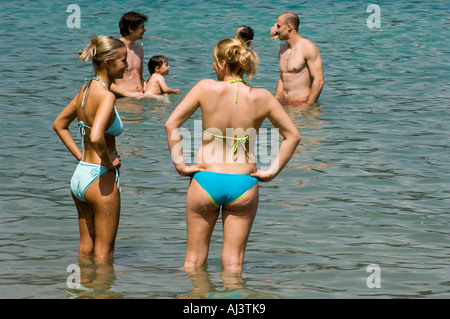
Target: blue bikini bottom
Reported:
[(225, 188), (84, 175)]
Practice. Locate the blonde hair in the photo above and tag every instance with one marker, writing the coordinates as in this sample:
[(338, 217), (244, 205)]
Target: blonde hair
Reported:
[(239, 58), (100, 48)]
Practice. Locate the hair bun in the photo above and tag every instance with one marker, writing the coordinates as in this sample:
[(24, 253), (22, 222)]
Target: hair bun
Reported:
[(239, 58)]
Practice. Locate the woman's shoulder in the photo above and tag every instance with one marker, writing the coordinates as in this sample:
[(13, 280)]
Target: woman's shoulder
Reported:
[(105, 96), (207, 85), (261, 93), (263, 98), (207, 82)]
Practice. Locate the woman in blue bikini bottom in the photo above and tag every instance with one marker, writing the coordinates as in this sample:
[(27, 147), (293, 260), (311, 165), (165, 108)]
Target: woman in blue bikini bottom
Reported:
[(85, 174), (95, 182), (224, 180), (223, 189)]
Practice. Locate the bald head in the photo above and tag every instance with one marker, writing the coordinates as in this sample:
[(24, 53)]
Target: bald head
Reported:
[(292, 19)]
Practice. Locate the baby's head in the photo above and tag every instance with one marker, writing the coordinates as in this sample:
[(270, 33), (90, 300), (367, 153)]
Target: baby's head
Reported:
[(157, 61)]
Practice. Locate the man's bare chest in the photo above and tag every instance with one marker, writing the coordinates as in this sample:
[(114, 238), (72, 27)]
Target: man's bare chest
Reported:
[(292, 61), (133, 60)]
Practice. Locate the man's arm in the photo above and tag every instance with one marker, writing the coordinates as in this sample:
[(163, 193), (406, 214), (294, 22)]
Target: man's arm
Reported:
[(279, 89), (315, 67), (118, 91), (121, 92), (140, 53)]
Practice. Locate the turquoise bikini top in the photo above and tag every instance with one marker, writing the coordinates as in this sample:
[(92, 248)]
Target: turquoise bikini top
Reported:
[(116, 128)]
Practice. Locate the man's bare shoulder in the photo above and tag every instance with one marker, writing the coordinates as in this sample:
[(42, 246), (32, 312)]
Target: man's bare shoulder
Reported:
[(308, 46), (283, 48), (138, 49)]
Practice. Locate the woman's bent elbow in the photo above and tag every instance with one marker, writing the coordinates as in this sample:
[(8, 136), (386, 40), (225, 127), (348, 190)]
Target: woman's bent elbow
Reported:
[(56, 127), (168, 126), (297, 137)]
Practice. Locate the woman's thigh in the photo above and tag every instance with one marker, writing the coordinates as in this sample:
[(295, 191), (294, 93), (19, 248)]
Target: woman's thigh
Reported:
[(201, 217), (238, 219), (104, 198)]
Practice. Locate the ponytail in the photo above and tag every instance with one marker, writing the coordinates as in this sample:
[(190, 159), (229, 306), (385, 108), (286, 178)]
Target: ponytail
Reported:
[(99, 49), (88, 52)]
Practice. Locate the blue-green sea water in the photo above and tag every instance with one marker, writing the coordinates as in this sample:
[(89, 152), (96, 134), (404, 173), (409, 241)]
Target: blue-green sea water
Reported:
[(369, 184)]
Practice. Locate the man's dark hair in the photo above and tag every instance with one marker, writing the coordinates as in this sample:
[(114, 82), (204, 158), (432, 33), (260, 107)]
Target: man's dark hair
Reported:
[(246, 34), (131, 21)]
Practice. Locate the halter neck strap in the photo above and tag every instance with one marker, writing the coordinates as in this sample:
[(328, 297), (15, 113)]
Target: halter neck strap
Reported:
[(88, 81), (237, 87)]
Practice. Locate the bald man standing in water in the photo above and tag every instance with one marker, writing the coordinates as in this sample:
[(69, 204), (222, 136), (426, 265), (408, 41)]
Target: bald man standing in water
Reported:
[(301, 71)]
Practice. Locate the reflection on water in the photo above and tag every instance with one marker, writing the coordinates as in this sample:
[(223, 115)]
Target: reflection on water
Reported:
[(234, 287), (96, 280), (308, 121), (132, 110)]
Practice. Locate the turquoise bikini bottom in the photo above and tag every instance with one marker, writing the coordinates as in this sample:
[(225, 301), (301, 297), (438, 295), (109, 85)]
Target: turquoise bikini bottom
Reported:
[(85, 174), (225, 188)]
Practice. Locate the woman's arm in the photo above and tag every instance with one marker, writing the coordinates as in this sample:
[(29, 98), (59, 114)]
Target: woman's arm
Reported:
[(179, 116), (281, 120), (61, 127), (100, 125)]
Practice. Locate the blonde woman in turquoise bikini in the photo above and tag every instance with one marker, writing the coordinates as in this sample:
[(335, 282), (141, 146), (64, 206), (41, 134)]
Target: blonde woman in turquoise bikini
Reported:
[(225, 177), (95, 183)]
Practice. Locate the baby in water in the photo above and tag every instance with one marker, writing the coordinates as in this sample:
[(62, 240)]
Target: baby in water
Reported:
[(156, 86)]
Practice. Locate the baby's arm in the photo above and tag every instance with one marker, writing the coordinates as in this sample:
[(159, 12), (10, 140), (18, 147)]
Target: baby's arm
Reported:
[(164, 88)]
